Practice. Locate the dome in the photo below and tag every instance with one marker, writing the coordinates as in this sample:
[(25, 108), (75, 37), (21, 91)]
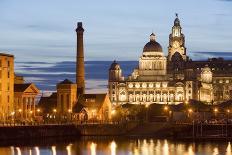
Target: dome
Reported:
[(114, 66), (152, 46), (177, 21)]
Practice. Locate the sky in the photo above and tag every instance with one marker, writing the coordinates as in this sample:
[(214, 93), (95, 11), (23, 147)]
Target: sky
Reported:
[(43, 30)]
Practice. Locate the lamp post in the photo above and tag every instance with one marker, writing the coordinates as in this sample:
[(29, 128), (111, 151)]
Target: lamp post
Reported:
[(13, 116), (70, 114), (189, 112), (20, 114), (215, 111), (54, 113), (147, 107)]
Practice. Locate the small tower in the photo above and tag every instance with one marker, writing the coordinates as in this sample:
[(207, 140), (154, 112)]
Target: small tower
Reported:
[(115, 72), (176, 41), (115, 76), (66, 96), (80, 66)]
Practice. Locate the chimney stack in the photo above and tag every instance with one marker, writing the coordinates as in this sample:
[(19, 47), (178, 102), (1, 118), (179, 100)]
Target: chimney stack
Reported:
[(80, 66)]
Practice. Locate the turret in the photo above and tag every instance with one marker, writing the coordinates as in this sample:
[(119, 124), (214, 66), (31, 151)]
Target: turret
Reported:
[(177, 41), (115, 72)]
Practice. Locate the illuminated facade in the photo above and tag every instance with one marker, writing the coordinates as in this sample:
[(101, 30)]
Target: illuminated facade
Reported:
[(6, 86), (171, 79)]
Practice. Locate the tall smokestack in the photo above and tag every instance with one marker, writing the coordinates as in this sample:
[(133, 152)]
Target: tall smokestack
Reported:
[(80, 66)]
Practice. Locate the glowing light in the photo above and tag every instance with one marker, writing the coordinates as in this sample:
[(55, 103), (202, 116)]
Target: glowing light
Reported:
[(54, 110), (190, 110), (37, 150), (215, 110), (18, 151), (215, 151), (20, 110), (166, 108), (113, 112), (30, 152), (147, 105), (53, 150), (165, 148), (228, 149), (13, 113), (69, 110), (93, 148), (228, 110), (113, 147), (38, 110), (68, 148)]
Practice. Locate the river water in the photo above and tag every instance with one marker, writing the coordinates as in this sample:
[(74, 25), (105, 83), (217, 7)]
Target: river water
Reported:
[(118, 146)]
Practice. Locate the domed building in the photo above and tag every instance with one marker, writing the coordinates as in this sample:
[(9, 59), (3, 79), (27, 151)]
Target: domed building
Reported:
[(170, 79)]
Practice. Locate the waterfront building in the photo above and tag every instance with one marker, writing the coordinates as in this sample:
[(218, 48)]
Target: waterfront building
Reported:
[(171, 79), (6, 86), (47, 104), (66, 96), (95, 107), (25, 100)]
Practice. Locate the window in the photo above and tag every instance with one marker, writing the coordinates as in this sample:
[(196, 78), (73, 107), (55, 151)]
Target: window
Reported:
[(8, 62), (0, 63), (8, 99), (8, 74), (8, 86)]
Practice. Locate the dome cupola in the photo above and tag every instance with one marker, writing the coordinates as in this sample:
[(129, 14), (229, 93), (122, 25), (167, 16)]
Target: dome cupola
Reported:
[(152, 46)]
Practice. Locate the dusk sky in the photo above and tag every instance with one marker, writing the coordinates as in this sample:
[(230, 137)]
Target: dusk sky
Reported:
[(44, 30)]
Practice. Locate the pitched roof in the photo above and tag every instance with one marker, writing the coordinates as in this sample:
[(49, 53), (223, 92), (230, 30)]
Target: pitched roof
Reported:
[(48, 103), (21, 87), (92, 101), (66, 81)]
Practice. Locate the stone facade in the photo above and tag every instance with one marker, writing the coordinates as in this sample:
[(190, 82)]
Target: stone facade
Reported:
[(171, 79), (6, 86), (66, 96), (25, 101)]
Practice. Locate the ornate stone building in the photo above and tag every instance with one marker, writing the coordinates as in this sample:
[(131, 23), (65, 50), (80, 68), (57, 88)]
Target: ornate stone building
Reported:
[(171, 79)]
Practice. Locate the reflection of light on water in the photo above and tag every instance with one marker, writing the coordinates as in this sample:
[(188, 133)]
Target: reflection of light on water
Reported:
[(215, 151), (37, 150), (93, 148), (145, 147), (136, 151), (113, 147), (228, 149), (158, 146), (68, 148), (30, 152), (190, 150), (53, 150), (12, 150), (18, 151), (165, 148)]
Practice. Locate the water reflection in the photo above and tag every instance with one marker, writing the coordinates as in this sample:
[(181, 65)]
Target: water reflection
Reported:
[(93, 148), (107, 146), (53, 150)]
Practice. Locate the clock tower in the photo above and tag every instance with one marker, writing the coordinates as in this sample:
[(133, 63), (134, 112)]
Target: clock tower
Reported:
[(176, 41)]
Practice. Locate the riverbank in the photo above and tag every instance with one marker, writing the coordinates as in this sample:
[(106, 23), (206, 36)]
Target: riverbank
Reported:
[(129, 129)]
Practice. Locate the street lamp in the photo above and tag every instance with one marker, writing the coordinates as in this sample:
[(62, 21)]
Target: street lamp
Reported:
[(165, 108), (70, 113)]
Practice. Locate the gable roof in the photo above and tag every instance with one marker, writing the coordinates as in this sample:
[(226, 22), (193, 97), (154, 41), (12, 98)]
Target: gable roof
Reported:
[(23, 87), (91, 101)]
